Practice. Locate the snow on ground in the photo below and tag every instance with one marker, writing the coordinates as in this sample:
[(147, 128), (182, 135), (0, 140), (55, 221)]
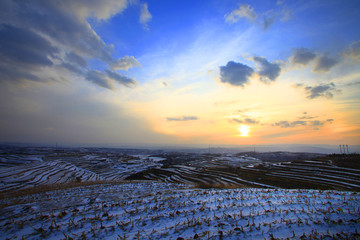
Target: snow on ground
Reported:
[(150, 210)]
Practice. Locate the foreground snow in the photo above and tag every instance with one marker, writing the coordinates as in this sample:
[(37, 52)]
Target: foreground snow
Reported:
[(151, 210)]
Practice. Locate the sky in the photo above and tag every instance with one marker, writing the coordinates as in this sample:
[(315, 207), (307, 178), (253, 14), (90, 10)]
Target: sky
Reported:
[(214, 72)]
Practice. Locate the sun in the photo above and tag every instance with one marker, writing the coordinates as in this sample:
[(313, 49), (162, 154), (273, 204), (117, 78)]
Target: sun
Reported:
[(244, 130)]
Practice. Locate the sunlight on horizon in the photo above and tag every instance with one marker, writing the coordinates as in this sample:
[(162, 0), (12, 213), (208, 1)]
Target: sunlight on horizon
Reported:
[(244, 130)]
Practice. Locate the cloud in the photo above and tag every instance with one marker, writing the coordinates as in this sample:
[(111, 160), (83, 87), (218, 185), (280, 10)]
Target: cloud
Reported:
[(23, 52), (244, 11), (321, 63), (102, 10), (125, 63), (353, 50), (267, 71), (322, 90), (76, 59), (42, 34), (293, 124), (324, 64), (286, 124), (123, 80), (182, 119), (25, 47), (264, 20), (246, 120), (72, 68), (307, 117), (302, 56), (108, 78), (286, 14), (317, 123), (99, 78), (236, 74), (268, 21), (145, 15)]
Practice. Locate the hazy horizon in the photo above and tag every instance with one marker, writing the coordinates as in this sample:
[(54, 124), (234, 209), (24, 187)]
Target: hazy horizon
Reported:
[(316, 148), (180, 73)]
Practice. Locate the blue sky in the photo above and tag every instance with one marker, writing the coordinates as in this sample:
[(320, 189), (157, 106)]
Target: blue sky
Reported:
[(120, 72)]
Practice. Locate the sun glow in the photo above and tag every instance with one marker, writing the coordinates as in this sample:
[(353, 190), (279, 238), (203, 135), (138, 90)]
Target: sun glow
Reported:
[(244, 130)]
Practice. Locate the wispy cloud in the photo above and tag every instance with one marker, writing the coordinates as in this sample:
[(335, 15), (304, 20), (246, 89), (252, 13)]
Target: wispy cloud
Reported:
[(145, 15), (125, 63), (353, 50), (301, 123), (108, 78), (244, 11), (265, 20), (182, 119), (246, 121), (323, 90), (287, 124)]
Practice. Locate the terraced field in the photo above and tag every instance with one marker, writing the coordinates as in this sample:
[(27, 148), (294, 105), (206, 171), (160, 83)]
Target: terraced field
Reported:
[(318, 173), (178, 195), (67, 167), (261, 170), (34, 174)]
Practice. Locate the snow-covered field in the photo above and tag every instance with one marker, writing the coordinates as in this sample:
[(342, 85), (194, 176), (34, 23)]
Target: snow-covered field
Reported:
[(150, 210)]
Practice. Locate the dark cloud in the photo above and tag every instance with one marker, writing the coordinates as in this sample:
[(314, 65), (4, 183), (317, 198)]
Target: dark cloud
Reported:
[(72, 68), (76, 59), (236, 74), (12, 73), (182, 119), (324, 64), (123, 80), (302, 56), (99, 79), (106, 79), (267, 70), (22, 53), (322, 90), (56, 34), (60, 23), (23, 46)]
